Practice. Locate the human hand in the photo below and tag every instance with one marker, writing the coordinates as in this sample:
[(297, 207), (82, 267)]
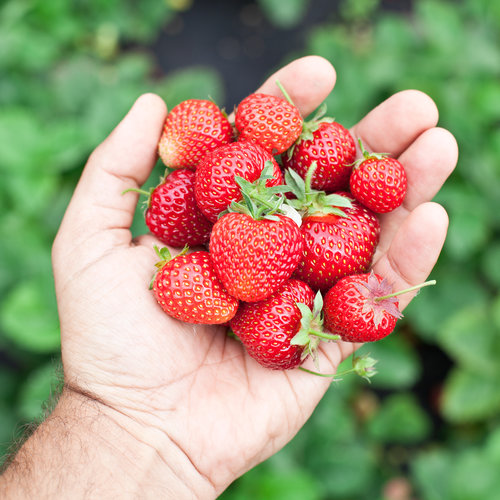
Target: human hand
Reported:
[(190, 392)]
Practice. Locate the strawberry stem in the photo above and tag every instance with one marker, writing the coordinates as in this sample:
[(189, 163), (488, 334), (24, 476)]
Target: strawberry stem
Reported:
[(308, 179), (136, 190), (284, 92), (367, 155), (326, 375), (324, 335), (364, 366), (411, 289)]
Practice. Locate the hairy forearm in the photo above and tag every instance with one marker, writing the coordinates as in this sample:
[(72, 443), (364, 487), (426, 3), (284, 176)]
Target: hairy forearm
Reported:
[(85, 450)]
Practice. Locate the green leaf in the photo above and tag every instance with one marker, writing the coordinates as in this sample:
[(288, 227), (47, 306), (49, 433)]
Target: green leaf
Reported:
[(469, 396), (266, 482), (284, 14), (295, 182), (495, 313), (470, 338), (490, 263), (22, 142), (441, 23), (41, 187), (400, 419), (458, 287), (191, 83), (492, 448), (336, 200), (29, 317), (8, 426), (347, 471), (470, 221), (302, 336), (474, 477), (41, 385), (398, 364), (431, 471)]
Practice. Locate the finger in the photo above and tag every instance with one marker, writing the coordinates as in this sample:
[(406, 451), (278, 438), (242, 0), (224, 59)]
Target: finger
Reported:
[(395, 123), (124, 160), (408, 262), (414, 249), (307, 80), (428, 162)]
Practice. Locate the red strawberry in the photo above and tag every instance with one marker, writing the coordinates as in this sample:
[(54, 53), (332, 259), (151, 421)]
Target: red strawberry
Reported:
[(255, 247), (187, 288), (172, 214), (378, 182), (254, 257), (340, 235), (272, 122), (267, 328), (216, 187), (192, 129), (363, 308), (331, 146)]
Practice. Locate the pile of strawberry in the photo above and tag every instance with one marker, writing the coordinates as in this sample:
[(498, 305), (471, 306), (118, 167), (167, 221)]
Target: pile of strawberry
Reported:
[(284, 215)]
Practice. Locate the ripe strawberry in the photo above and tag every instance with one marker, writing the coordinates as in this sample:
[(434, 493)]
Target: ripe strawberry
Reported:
[(192, 129), (340, 235), (187, 288), (172, 214), (215, 186), (253, 257), (255, 248), (378, 182), (363, 308), (331, 146), (267, 328), (272, 122)]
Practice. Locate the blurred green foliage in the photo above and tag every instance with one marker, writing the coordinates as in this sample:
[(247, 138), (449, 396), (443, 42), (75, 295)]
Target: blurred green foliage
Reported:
[(65, 81), (430, 418)]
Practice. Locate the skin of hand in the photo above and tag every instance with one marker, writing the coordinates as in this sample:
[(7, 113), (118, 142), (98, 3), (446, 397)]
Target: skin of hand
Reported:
[(190, 393)]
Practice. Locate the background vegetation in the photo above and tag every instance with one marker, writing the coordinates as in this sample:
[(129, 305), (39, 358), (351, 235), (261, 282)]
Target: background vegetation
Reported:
[(428, 426)]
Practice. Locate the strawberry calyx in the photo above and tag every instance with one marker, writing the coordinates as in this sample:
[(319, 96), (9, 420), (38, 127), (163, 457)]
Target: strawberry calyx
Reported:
[(310, 126), (263, 202), (311, 328), (310, 202), (367, 155), (148, 192), (380, 299), (165, 256)]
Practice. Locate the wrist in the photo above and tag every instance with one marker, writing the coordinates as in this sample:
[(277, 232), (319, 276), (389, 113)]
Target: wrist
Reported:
[(85, 447)]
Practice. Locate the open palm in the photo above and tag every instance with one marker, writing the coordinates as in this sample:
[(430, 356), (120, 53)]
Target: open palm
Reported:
[(192, 387)]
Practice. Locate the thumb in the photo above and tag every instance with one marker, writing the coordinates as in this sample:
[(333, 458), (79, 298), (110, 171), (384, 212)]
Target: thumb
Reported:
[(99, 216)]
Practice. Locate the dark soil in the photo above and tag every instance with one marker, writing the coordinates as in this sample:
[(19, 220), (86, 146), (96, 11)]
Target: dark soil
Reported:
[(235, 38)]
